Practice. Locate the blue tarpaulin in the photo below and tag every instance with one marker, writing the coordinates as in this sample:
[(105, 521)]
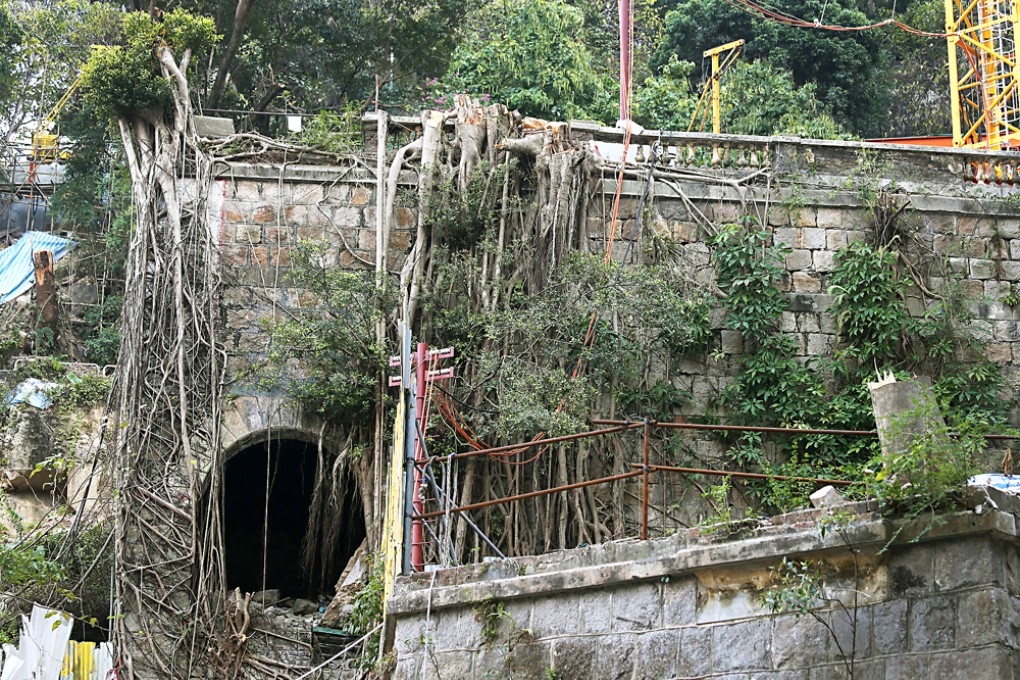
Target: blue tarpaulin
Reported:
[(17, 268)]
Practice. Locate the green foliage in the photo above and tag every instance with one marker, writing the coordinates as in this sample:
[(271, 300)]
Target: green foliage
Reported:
[(334, 132), (326, 356), (368, 609), (772, 387), (125, 80), (84, 392), (757, 98), (492, 614), (931, 473), (529, 54), (844, 66), (798, 591), (717, 496), (747, 269), (10, 39), (868, 305)]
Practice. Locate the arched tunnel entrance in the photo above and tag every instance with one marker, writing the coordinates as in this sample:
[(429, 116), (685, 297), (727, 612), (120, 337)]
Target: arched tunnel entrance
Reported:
[(280, 531)]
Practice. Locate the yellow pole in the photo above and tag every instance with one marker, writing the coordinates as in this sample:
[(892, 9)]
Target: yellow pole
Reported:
[(716, 113), (716, 75), (954, 76)]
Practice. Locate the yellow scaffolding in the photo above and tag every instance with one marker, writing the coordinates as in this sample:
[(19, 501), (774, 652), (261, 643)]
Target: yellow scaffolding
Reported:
[(981, 37)]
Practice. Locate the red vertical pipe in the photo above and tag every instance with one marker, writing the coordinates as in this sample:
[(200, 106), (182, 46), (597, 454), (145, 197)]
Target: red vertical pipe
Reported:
[(624, 59), (645, 481), (421, 361)]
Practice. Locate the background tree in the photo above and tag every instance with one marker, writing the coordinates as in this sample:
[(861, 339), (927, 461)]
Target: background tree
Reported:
[(530, 55), (847, 68), (56, 38), (757, 99)]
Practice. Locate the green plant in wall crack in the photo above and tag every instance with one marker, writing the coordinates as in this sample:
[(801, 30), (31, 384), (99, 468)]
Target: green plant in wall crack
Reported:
[(798, 588)]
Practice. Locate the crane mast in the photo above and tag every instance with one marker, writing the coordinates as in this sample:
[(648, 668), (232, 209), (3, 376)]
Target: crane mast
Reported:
[(982, 36)]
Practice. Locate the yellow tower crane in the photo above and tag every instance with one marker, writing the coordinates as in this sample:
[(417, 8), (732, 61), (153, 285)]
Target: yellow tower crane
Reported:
[(982, 36), (46, 145)]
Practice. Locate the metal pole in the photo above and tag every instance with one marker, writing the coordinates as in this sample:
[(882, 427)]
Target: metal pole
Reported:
[(624, 60), (744, 475), (644, 481), (620, 427), (716, 113), (409, 446), (532, 494), (417, 560), (742, 428)]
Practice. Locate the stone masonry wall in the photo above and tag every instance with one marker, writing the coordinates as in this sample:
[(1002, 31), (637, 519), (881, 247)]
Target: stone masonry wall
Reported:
[(815, 196), (690, 607)]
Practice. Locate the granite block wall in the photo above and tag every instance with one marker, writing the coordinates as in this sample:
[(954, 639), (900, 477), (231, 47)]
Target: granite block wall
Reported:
[(690, 607)]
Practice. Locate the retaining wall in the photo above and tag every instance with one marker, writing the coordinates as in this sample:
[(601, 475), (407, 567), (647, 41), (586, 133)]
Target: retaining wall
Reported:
[(690, 606)]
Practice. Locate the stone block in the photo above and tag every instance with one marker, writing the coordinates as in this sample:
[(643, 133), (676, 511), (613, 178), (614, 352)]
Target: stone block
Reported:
[(554, 616), (852, 630), (361, 195), (528, 660), (788, 322), (803, 217), (889, 627), (967, 562), (576, 658), (819, 345), (808, 323), (405, 218), (983, 617), (799, 641), (787, 236), (657, 654), (247, 191), (454, 664), (617, 657), (831, 218), (307, 195), (1009, 270), (912, 570), (806, 283), (337, 194), (695, 658), (366, 239), (812, 238), (798, 259), (747, 645), (457, 629), (824, 260), (265, 214), (732, 342), (999, 353), (987, 663), (903, 666), (1008, 228), (932, 623), (400, 240), (593, 614), (636, 607), (835, 239), (347, 217), (279, 235), (679, 597), (248, 233), (982, 269)]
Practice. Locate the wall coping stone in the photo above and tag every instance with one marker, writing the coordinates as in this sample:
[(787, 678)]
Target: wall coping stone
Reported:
[(633, 561)]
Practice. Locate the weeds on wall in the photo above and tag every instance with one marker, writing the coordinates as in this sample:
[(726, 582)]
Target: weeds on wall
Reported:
[(876, 332)]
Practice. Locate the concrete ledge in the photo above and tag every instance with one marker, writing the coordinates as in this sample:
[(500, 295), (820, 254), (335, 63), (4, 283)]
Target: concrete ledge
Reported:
[(632, 562)]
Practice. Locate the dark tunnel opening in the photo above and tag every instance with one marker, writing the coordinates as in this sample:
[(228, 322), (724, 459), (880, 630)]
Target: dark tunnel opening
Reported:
[(263, 536)]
